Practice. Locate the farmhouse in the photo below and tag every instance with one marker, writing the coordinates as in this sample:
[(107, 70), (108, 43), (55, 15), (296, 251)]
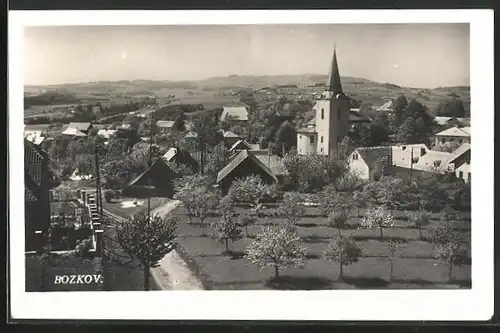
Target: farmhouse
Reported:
[(453, 135), (242, 165), (180, 156), (234, 114), (78, 129), (368, 163), (155, 181), (165, 126), (461, 161)]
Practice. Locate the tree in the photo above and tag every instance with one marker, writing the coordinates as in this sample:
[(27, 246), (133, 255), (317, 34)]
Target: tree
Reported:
[(343, 250), (291, 208), (407, 133), (249, 191), (399, 105), (207, 129), (64, 197), (225, 230), (451, 107), (217, 158), (377, 218), (286, 137), (86, 165), (179, 122), (346, 147), (419, 219), (277, 246), (337, 218), (246, 220), (148, 239), (203, 202), (450, 252), (393, 246)]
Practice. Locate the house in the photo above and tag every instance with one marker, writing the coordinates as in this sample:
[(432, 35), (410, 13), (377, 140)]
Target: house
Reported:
[(180, 156), (461, 161), (453, 135), (463, 172), (35, 137), (230, 138), (273, 162), (368, 163), (155, 181), (242, 165), (38, 180), (240, 145), (234, 114), (78, 129), (418, 157), (191, 135), (165, 126), (106, 133)]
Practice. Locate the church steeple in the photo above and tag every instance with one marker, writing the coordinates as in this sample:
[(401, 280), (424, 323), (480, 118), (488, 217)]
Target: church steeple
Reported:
[(333, 82)]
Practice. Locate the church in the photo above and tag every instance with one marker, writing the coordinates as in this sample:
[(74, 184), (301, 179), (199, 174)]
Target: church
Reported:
[(323, 133)]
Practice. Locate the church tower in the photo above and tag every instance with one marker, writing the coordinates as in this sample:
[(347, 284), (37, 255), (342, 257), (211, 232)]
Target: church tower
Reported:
[(332, 113)]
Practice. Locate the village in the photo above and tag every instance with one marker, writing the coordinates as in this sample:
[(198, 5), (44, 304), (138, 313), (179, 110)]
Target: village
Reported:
[(284, 187)]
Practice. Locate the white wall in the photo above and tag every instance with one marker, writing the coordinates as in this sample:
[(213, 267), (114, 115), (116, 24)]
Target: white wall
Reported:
[(358, 166), (465, 169), (304, 146)]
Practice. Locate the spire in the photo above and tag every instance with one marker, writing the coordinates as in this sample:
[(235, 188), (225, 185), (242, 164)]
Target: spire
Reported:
[(333, 81)]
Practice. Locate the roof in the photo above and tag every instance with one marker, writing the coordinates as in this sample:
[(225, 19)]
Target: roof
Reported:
[(385, 107), (237, 160), (427, 161), (165, 123), (191, 135), (464, 148), (80, 126), (445, 120), (158, 165), (106, 133), (234, 112), (228, 134), (401, 153), (73, 131), (34, 137), (306, 130), (240, 143), (356, 117), (333, 82), (180, 156), (273, 162), (372, 154), (455, 131), (36, 127)]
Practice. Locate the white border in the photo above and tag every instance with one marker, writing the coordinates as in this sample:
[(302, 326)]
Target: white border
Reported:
[(474, 304)]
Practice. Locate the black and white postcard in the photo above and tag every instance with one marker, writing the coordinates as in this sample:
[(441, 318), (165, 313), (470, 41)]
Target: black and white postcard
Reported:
[(272, 165)]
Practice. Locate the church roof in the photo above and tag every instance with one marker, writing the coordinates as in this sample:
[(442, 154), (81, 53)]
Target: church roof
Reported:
[(333, 82)]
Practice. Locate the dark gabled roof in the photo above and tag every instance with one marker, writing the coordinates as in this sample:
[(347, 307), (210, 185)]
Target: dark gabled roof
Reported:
[(355, 117), (237, 160), (373, 154), (158, 166), (178, 155), (464, 148)]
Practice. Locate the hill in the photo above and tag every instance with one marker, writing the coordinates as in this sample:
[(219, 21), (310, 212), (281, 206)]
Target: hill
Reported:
[(362, 90)]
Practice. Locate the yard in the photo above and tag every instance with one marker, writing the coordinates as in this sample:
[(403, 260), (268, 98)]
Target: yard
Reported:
[(415, 265)]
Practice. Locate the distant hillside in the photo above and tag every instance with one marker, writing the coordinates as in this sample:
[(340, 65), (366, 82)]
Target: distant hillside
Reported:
[(363, 90)]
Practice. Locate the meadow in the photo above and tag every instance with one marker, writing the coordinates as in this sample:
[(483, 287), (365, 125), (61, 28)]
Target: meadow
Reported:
[(415, 265)]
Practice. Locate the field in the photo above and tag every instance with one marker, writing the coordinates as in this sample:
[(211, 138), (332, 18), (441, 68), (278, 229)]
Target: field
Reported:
[(415, 266)]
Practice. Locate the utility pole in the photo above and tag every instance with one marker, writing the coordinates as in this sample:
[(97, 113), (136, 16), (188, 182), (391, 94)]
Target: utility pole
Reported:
[(149, 163), (411, 164), (101, 219)]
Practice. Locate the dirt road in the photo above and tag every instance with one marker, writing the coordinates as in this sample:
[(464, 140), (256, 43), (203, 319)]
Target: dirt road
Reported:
[(172, 272)]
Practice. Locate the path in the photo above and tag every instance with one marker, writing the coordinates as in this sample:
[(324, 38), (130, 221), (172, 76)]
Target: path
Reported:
[(172, 272)]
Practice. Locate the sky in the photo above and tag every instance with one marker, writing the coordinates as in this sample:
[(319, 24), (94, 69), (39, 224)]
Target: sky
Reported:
[(413, 55)]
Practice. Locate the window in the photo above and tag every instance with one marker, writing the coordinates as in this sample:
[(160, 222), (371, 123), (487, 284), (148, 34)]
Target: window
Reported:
[(443, 140), (460, 141), (339, 114), (300, 136), (461, 174), (312, 139), (469, 176), (321, 139), (322, 113), (354, 156), (321, 150)]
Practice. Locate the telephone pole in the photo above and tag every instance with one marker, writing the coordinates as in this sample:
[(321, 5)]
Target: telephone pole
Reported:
[(149, 164)]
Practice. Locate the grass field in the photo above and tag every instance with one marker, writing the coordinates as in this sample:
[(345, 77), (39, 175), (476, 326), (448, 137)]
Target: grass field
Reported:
[(415, 265)]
